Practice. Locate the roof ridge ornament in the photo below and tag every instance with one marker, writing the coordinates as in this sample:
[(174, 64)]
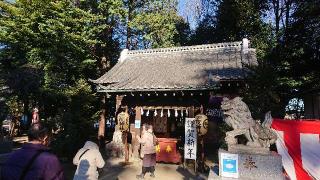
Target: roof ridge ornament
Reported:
[(245, 45), (236, 44), (123, 55)]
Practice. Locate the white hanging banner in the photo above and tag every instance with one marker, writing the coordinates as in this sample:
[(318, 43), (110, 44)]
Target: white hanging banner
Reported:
[(190, 142)]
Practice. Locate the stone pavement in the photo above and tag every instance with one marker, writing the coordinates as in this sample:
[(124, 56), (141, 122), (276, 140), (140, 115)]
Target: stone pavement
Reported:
[(115, 170)]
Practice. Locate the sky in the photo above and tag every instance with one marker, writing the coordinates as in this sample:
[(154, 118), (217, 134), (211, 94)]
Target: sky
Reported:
[(180, 6), (187, 9)]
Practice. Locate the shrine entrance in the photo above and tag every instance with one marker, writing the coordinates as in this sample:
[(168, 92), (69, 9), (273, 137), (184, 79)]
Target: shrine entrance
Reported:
[(167, 113)]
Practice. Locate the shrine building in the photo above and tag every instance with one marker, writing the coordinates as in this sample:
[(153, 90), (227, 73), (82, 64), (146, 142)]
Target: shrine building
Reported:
[(164, 86)]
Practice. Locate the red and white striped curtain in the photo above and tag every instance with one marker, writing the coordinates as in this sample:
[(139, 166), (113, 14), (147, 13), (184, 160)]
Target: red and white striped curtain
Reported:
[(299, 145)]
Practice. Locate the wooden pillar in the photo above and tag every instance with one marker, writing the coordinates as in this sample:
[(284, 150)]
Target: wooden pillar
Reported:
[(119, 99), (135, 132), (102, 121), (138, 117), (202, 154), (191, 112), (126, 147), (201, 138), (125, 136)]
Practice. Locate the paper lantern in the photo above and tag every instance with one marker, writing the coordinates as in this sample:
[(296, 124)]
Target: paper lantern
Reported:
[(202, 124)]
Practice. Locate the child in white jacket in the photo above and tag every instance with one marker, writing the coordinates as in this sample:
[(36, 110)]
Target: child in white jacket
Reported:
[(88, 159)]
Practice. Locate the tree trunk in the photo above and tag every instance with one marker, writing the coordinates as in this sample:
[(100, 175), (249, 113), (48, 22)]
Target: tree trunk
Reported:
[(277, 15), (102, 120), (130, 11), (288, 7)]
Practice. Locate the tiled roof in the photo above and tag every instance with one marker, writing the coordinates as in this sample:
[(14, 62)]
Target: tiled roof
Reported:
[(179, 68)]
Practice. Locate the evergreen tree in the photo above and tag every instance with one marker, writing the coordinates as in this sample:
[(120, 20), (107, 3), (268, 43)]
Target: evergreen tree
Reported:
[(297, 55), (49, 50), (232, 20), (153, 24)]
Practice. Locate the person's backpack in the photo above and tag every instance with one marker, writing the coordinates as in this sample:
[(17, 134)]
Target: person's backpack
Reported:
[(83, 153), (29, 164)]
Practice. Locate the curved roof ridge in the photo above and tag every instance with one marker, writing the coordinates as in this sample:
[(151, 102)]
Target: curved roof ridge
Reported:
[(236, 44)]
